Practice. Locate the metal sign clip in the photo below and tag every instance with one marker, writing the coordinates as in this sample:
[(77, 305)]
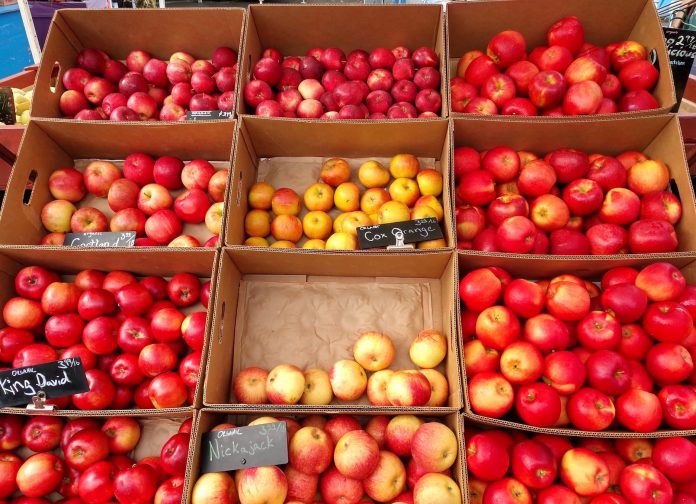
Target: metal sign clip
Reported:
[(39, 403), (399, 236)]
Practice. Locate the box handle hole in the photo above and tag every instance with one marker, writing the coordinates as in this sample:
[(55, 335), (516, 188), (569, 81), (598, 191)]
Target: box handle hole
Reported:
[(29, 187), (55, 73), (222, 323), (239, 190)]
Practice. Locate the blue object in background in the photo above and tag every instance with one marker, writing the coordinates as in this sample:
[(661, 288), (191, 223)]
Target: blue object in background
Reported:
[(14, 46)]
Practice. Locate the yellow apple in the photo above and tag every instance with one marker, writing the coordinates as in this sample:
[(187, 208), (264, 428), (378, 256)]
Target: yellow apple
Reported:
[(434, 447), (314, 245), (213, 217), (377, 387), (342, 241), (338, 222), (261, 485), (317, 387), (319, 196), (285, 201), (286, 227), (404, 190), (374, 218), (435, 487), (263, 420), (388, 480), (393, 211), (373, 198), (257, 223), (283, 244), (404, 165), (335, 171), (317, 225), (423, 212), (374, 351), (429, 182), (260, 195), (354, 220), (214, 487), (432, 202), (256, 241), (432, 244), (347, 197), (373, 174), (439, 388), (428, 349), (285, 384), (348, 380)]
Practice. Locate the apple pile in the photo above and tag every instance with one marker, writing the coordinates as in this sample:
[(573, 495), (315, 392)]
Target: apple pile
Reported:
[(412, 194), (569, 76), (400, 459), (566, 351), (347, 379), (87, 460), (145, 196), (325, 84), (511, 466), (140, 341), (568, 202), (145, 88)]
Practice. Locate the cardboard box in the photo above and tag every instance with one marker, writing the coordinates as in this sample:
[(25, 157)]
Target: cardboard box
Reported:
[(470, 25), (210, 417), (49, 145), (160, 32), (534, 268), (658, 136), (295, 29), (309, 309), (11, 135), (67, 262), (290, 154)]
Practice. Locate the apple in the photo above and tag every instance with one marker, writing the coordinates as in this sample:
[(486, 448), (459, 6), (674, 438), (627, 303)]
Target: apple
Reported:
[(262, 484), (335, 488), (40, 474), (640, 482), (67, 184), (98, 177), (434, 447), (490, 394), (387, 480), (435, 487), (374, 351), (546, 89), (285, 384), (427, 350), (310, 450), (356, 455), (584, 472)]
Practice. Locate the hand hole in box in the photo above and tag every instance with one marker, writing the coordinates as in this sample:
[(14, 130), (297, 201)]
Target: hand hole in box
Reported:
[(239, 190), (674, 188), (222, 323), (29, 187), (53, 81)]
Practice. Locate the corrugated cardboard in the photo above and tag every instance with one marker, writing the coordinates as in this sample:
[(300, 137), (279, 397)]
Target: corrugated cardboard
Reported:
[(161, 32), (210, 417), (11, 135), (471, 25), (295, 29), (309, 309), (659, 137), (49, 145), (67, 261), (290, 154)]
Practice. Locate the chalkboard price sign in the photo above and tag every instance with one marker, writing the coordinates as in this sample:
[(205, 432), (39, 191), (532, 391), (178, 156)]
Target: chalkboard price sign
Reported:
[(100, 240), (399, 233), (681, 49), (208, 115), (245, 447), (55, 379)]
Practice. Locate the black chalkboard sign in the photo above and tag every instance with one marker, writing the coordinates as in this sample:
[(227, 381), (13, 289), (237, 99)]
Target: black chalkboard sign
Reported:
[(55, 379), (245, 447), (681, 49), (208, 115), (100, 240), (383, 235)]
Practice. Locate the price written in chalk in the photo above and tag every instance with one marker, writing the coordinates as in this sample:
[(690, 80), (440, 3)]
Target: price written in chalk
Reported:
[(681, 49), (55, 379), (399, 233), (245, 447), (100, 240), (208, 115)]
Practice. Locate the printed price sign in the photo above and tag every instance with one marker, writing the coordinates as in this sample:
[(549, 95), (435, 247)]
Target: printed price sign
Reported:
[(100, 240), (207, 115), (245, 447), (399, 233), (55, 379), (681, 49)]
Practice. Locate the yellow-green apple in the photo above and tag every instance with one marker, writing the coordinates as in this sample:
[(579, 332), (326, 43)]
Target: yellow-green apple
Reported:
[(301, 487), (261, 485), (67, 184), (404, 190), (432, 202), (286, 227), (404, 166), (314, 244), (521, 363), (257, 223), (98, 177), (428, 349), (317, 225), (393, 211), (429, 182), (317, 387), (372, 174), (434, 447), (249, 386), (490, 394), (319, 196), (216, 487), (353, 220), (348, 380), (356, 455), (373, 199), (285, 201), (261, 195), (374, 351), (400, 432), (347, 197), (336, 488), (56, 216), (311, 450), (648, 176), (387, 480), (584, 472), (256, 241), (342, 241), (377, 387), (214, 216), (408, 388), (335, 171), (285, 384), (439, 388), (438, 488)]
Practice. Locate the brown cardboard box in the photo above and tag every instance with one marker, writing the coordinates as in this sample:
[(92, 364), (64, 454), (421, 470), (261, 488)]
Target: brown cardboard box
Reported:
[(309, 309), (49, 145), (470, 25), (290, 154), (11, 135), (295, 29), (208, 418), (534, 268), (659, 137), (67, 262), (160, 32)]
